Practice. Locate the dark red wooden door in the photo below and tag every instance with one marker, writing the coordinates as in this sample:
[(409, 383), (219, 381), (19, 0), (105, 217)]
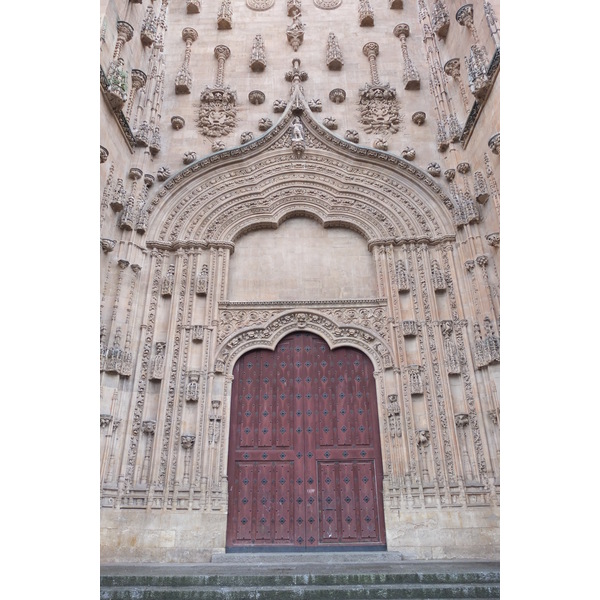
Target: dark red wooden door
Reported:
[(304, 460)]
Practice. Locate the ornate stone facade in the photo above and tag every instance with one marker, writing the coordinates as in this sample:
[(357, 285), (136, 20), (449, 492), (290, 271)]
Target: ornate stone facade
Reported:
[(323, 209)]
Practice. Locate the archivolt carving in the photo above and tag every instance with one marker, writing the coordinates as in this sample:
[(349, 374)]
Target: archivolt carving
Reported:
[(219, 198), (335, 334), (367, 314)]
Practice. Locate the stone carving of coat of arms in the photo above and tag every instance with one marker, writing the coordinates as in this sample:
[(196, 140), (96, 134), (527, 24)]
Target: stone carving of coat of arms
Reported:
[(379, 109), (217, 115)]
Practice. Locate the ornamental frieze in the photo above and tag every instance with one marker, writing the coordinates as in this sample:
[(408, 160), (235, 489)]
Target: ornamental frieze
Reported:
[(334, 333), (366, 315)]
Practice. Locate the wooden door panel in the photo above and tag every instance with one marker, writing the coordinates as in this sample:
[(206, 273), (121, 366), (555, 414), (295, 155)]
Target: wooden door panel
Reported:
[(305, 464)]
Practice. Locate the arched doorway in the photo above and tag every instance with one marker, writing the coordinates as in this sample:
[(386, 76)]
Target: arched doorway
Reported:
[(304, 466)]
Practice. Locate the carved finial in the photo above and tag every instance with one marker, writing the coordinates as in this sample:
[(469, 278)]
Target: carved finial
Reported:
[(258, 61), (334, 58)]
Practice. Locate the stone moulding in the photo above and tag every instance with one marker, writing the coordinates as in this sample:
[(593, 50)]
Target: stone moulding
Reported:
[(334, 333), (386, 181)]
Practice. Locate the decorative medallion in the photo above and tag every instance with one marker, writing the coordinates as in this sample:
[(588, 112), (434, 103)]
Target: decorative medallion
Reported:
[(327, 4), (260, 4)]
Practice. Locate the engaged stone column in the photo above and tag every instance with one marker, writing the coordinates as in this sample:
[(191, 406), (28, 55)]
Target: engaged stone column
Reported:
[(410, 77), (183, 81)]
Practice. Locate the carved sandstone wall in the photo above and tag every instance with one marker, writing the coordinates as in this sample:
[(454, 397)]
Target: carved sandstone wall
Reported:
[(268, 167)]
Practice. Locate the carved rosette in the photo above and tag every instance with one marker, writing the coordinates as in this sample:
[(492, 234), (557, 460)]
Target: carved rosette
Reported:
[(352, 136), (330, 123), (103, 154), (408, 154), (380, 143), (246, 136), (434, 169), (256, 97), (163, 173), (337, 95), (279, 105), (264, 123)]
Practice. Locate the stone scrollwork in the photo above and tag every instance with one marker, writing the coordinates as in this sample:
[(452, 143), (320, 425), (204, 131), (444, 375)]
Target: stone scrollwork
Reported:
[(333, 332)]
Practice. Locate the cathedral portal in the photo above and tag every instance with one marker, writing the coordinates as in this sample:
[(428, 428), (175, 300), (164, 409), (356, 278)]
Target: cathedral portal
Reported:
[(305, 469)]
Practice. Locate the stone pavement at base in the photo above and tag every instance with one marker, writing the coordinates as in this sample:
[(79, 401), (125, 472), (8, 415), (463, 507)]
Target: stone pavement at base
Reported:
[(311, 576)]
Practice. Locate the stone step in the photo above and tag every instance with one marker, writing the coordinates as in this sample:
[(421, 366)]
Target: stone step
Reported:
[(306, 592), (306, 576)]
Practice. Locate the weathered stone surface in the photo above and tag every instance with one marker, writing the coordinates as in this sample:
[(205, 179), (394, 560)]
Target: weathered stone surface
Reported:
[(259, 220)]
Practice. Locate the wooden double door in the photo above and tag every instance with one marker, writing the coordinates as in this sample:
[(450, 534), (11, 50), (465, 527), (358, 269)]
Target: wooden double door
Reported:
[(304, 464)]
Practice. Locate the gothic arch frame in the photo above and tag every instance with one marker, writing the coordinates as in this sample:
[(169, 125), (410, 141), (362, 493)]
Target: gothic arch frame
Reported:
[(261, 183), (269, 335)]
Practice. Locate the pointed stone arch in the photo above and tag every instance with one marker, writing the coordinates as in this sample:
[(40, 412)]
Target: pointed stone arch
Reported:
[(259, 184)]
